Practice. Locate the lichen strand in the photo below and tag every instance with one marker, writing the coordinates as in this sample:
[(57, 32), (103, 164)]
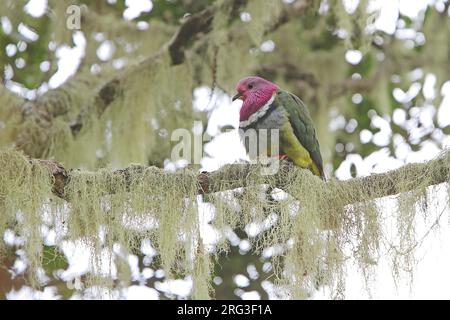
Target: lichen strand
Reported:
[(9, 116), (25, 188), (143, 204), (262, 15)]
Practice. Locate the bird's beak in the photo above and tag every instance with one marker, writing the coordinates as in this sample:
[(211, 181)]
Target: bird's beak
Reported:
[(237, 96)]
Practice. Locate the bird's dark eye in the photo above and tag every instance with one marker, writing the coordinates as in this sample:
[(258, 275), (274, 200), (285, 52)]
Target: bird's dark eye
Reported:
[(250, 86)]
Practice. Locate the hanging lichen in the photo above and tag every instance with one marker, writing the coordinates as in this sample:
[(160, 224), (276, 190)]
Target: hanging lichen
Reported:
[(317, 225), (24, 195)]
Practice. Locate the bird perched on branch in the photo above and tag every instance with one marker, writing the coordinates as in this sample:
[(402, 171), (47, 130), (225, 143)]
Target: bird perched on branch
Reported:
[(266, 106)]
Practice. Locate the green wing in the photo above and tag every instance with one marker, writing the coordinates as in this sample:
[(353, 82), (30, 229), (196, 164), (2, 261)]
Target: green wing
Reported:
[(302, 125)]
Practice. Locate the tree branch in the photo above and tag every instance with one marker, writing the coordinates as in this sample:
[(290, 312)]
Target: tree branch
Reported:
[(293, 11), (234, 176), (195, 24)]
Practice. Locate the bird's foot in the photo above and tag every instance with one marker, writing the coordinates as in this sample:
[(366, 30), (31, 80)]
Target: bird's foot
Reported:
[(281, 156)]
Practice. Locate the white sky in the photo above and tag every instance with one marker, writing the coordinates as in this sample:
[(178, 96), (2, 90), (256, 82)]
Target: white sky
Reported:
[(432, 278)]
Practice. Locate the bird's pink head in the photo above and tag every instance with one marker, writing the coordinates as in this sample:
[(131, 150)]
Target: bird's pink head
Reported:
[(254, 92)]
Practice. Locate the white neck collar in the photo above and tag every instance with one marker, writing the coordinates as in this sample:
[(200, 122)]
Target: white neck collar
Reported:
[(257, 115)]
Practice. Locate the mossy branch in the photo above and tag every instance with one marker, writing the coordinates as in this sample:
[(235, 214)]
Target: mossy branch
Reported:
[(293, 11), (130, 202), (195, 24), (234, 176)]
